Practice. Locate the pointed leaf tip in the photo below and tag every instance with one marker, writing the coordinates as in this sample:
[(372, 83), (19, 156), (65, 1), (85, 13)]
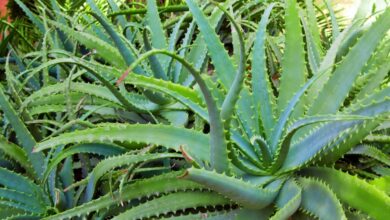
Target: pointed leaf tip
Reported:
[(186, 156), (184, 175)]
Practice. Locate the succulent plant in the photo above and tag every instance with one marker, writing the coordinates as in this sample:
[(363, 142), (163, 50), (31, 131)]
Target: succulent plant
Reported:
[(171, 142)]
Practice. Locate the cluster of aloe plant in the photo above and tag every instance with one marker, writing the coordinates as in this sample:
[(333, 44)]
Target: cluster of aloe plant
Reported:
[(211, 112)]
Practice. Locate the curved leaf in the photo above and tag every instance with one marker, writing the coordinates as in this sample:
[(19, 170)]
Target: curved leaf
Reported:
[(173, 203), (242, 192), (354, 191), (195, 143)]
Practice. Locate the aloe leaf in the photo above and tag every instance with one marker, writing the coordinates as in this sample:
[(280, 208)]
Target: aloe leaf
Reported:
[(313, 26), (333, 19), (293, 63), (182, 94), (246, 113), (327, 207), (241, 213), (140, 103), (120, 18), (144, 188), (67, 179), (28, 201), (377, 96), (159, 40), (96, 73), (176, 118), (193, 142), (374, 80), (331, 97), (357, 131), (285, 142), (178, 76), (287, 112), (312, 51), (173, 39), (218, 144), (73, 97), (126, 53), (263, 97), (23, 135), (248, 165), (18, 154), (173, 202), (288, 200), (33, 82), (326, 64), (198, 53), (320, 139), (237, 85), (377, 138), (85, 88), (34, 19), (94, 148), (105, 50), (155, 64), (242, 192), (14, 181), (68, 45), (348, 188), (117, 161), (221, 60), (371, 151)]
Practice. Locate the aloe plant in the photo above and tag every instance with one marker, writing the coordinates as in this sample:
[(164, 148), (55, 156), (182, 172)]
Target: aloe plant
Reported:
[(271, 150)]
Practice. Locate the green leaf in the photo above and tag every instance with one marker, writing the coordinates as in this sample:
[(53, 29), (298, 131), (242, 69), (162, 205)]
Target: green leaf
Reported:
[(221, 60), (233, 93), (354, 191), (155, 64), (263, 96), (117, 161), (335, 26), (371, 151), (288, 200), (195, 143), (144, 188), (17, 182), (173, 203), (198, 53), (331, 97), (242, 192), (319, 200), (18, 154), (95, 148), (103, 49), (285, 143), (293, 63), (218, 144), (34, 18), (22, 133), (159, 40), (382, 183), (126, 53), (29, 202)]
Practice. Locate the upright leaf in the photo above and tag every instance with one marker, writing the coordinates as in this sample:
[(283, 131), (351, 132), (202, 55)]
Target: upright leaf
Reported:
[(331, 96), (263, 96), (293, 63), (22, 133)]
